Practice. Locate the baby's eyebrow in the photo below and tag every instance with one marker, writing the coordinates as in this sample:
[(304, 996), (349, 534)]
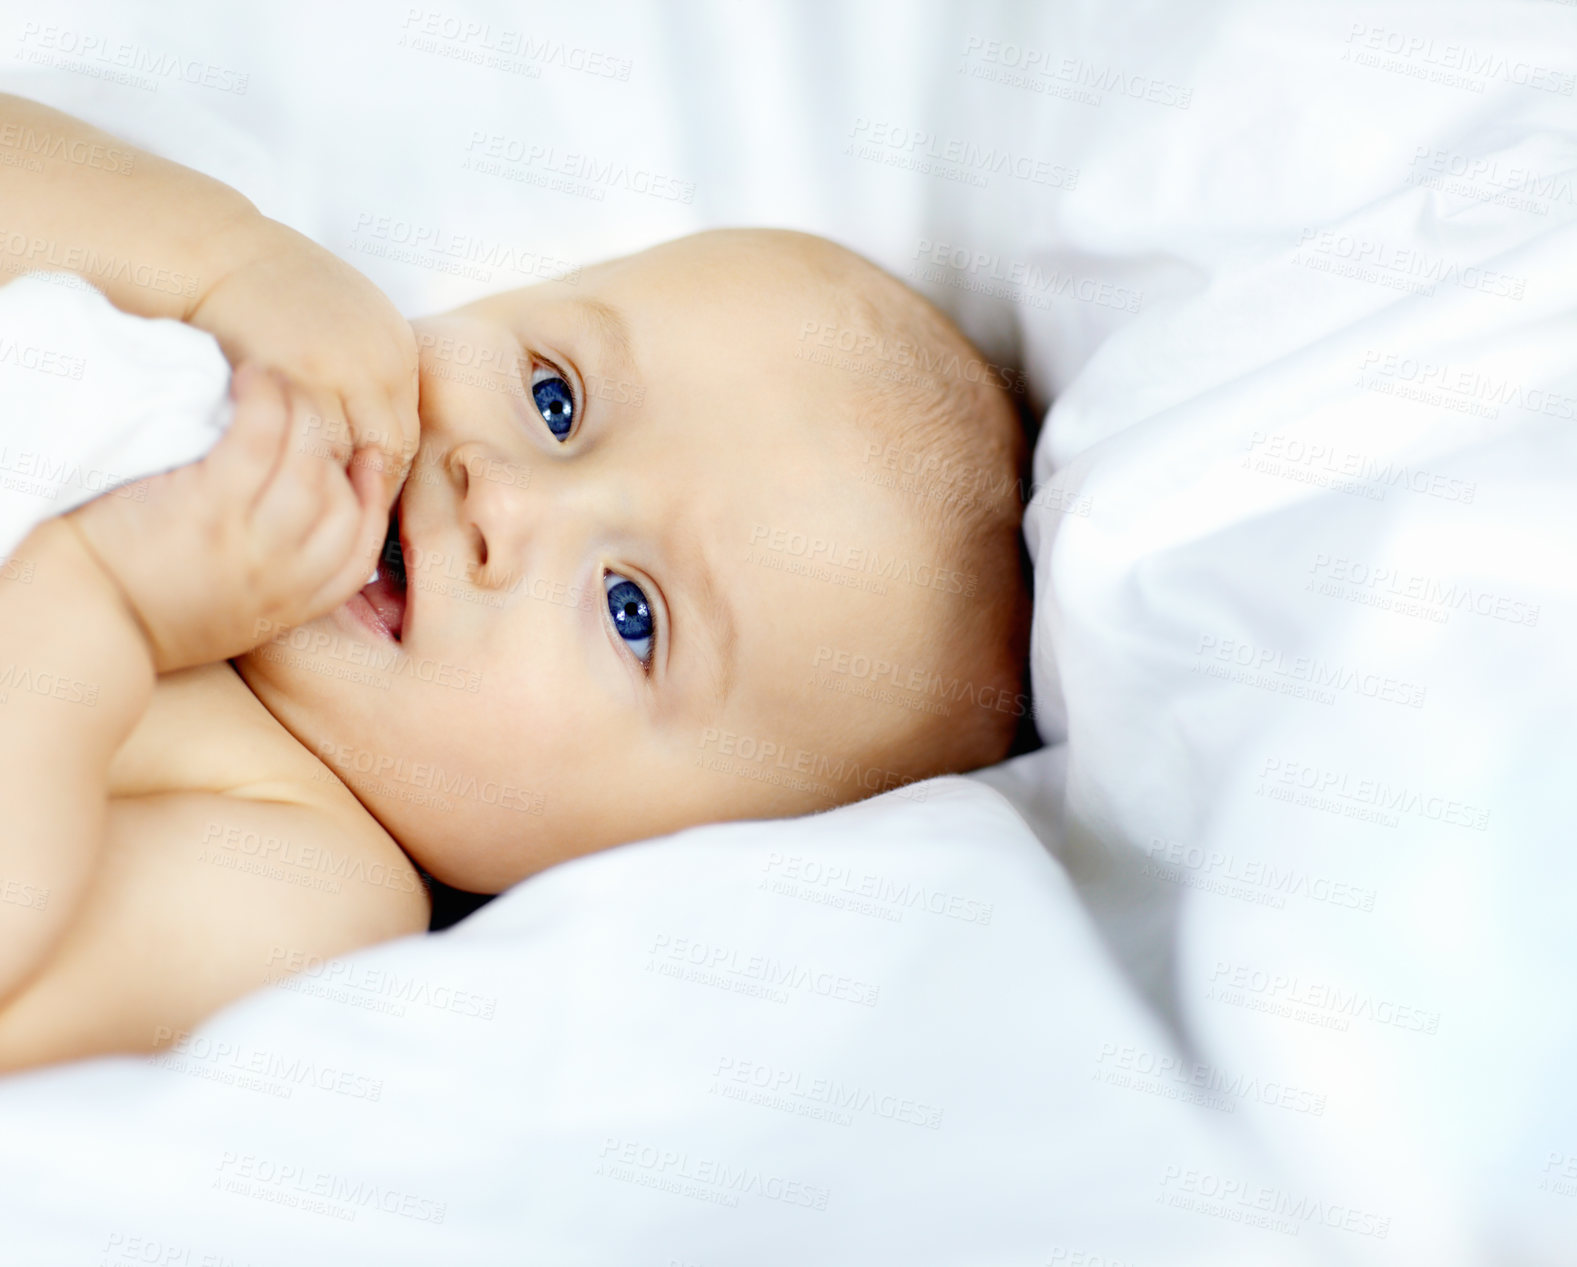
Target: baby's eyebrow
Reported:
[(609, 325), (719, 621)]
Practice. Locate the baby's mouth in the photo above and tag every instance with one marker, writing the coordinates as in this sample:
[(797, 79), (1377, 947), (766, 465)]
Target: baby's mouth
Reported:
[(386, 590)]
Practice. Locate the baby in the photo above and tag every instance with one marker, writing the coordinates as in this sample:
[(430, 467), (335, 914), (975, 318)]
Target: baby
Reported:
[(726, 529)]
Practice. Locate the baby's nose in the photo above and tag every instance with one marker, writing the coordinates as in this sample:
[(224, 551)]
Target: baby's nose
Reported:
[(493, 498), (482, 474)]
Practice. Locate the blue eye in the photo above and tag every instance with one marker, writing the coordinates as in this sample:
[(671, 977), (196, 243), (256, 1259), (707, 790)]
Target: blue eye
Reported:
[(555, 402), (631, 613)]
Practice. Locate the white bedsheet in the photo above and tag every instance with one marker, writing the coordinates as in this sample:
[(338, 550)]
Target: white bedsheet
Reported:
[(1299, 279)]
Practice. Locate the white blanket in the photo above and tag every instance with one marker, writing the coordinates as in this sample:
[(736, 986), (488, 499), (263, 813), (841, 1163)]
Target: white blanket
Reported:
[(1298, 277), (92, 399)]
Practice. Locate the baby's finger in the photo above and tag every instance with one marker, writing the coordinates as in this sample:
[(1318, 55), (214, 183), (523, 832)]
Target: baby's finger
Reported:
[(328, 432), (287, 508), (325, 434), (319, 434), (407, 417), (249, 452), (347, 541), (379, 426)]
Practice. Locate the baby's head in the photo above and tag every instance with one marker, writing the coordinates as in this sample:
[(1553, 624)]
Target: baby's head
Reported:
[(725, 529)]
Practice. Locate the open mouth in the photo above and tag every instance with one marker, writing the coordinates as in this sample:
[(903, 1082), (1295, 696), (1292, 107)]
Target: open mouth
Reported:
[(385, 593)]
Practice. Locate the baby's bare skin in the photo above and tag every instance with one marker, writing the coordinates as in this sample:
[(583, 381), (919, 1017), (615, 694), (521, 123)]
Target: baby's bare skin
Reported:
[(692, 439), (704, 448), (128, 933), (587, 748), (171, 924)]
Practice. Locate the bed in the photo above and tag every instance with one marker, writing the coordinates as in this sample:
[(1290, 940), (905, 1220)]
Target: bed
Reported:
[(1265, 957)]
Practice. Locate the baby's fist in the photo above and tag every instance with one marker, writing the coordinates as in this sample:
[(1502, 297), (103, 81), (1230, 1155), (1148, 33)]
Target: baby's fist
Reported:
[(286, 302), (267, 531)]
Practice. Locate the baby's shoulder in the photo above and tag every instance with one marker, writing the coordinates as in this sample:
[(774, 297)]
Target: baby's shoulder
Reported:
[(200, 897)]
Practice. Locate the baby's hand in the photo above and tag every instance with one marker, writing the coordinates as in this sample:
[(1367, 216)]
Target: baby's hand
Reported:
[(285, 302), (264, 533)]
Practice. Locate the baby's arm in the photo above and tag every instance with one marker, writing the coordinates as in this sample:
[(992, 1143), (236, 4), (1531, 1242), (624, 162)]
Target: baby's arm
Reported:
[(162, 240), (152, 235), (76, 675), (264, 533)]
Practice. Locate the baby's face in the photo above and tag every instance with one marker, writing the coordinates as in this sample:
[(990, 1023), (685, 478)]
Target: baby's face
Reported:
[(608, 631)]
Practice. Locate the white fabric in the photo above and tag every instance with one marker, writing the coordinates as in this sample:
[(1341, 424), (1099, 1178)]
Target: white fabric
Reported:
[(1306, 603), (1155, 254), (92, 398), (784, 1041)]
